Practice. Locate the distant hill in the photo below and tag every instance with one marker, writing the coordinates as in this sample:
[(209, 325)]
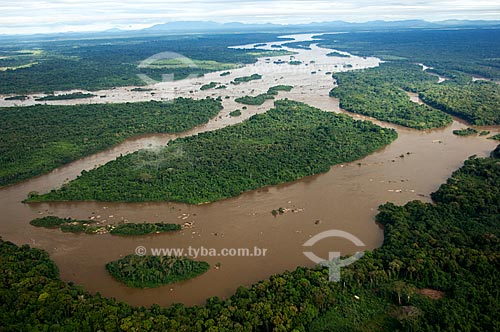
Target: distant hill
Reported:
[(205, 26), (235, 27)]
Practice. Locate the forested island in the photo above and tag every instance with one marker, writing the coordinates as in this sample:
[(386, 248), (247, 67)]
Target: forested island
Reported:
[(254, 100), (207, 86), (154, 271), (67, 96), (245, 79), (18, 97), (338, 55), (454, 54), (289, 142), (261, 98), (379, 93), (67, 224), (465, 132), (436, 271), (235, 113), (136, 229), (93, 227), (37, 139)]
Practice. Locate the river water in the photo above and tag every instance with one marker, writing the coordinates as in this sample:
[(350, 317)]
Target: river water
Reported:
[(345, 198)]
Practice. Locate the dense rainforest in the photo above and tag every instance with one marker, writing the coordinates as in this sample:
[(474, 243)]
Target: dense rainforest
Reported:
[(154, 271), (455, 54), (290, 141), (37, 139), (451, 52), (437, 270), (477, 103), (94, 64), (379, 93)]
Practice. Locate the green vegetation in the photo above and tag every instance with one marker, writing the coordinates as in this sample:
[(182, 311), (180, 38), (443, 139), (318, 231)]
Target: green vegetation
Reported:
[(378, 92), (465, 132), (478, 103), (94, 64), (261, 98), (451, 246), (278, 211), (451, 52), (275, 89), (291, 141), (254, 100), (68, 225), (180, 63), (269, 53), (243, 79), (154, 271), (69, 96), (496, 137), (90, 226), (37, 139), (338, 55), (221, 87), (141, 90), (19, 97), (210, 85), (52, 222), (133, 229), (300, 45), (437, 270), (235, 113), (295, 63), (484, 133), (226, 73)]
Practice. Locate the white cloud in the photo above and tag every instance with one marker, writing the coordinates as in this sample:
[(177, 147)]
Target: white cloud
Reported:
[(35, 16)]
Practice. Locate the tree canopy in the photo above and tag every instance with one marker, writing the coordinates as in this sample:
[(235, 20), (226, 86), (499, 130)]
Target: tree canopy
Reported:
[(289, 142)]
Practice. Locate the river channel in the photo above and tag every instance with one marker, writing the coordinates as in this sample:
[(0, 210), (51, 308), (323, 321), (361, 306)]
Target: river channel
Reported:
[(345, 198)]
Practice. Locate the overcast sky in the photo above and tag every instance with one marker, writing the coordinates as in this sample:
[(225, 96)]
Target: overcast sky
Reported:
[(40, 16)]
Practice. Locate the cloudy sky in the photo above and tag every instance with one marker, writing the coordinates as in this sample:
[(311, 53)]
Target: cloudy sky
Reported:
[(41, 16)]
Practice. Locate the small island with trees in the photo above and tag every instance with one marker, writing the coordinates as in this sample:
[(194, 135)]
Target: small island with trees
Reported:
[(68, 96), (154, 271), (92, 226), (465, 132), (244, 79), (261, 98)]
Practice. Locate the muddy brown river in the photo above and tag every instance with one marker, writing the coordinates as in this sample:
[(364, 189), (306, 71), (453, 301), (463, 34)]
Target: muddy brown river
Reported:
[(345, 198)]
